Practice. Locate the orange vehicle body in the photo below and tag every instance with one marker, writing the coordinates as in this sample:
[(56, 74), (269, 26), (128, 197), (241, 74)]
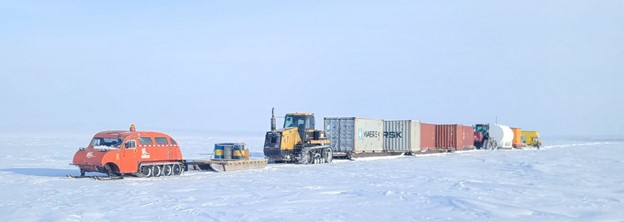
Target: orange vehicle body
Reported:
[(129, 152), (517, 138)]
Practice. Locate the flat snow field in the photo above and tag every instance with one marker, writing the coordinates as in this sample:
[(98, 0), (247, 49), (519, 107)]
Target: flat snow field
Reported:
[(567, 181)]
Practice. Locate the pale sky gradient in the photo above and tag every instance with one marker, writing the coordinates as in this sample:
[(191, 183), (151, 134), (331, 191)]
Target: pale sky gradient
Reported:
[(553, 66)]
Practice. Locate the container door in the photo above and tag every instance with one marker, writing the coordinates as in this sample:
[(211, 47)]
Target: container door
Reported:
[(341, 133), (347, 135)]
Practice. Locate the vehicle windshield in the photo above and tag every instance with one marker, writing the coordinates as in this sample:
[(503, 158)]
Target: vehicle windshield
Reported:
[(481, 128), (295, 121), (111, 142)]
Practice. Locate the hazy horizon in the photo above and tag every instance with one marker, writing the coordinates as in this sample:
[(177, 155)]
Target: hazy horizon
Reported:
[(553, 66)]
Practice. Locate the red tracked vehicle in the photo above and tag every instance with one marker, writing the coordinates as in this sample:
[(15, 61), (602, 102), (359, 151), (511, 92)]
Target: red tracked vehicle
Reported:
[(119, 152)]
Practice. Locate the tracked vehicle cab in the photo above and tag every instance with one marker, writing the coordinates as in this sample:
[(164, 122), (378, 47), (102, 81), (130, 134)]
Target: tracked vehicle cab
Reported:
[(302, 121)]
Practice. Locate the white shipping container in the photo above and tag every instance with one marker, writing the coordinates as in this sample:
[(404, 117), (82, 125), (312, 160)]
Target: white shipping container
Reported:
[(354, 135), (401, 136)]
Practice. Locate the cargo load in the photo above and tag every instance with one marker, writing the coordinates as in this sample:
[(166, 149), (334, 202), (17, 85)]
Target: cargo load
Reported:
[(449, 136), (353, 135), (228, 157), (502, 135), (427, 137), (468, 138), (454, 137), (401, 136), (517, 138)]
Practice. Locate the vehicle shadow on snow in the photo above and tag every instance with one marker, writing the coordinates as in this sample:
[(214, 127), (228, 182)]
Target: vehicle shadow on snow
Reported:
[(42, 172)]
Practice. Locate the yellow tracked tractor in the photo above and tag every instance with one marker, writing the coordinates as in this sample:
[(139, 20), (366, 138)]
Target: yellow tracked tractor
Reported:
[(297, 142)]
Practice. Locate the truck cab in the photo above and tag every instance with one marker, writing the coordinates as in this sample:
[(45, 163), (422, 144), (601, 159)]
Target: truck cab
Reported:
[(481, 135), (304, 122), (531, 138)]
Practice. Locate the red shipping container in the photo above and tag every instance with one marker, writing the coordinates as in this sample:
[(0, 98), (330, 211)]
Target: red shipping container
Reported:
[(427, 137), (449, 136), (468, 138)]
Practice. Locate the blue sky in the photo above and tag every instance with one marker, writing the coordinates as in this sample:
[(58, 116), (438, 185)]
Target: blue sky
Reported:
[(553, 66)]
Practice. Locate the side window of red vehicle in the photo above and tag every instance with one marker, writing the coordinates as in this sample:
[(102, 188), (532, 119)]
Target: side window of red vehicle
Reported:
[(162, 141), (130, 144), (145, 141)]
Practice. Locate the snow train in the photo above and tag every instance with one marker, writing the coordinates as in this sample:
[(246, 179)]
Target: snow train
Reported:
[(119, 153), (348, 137)]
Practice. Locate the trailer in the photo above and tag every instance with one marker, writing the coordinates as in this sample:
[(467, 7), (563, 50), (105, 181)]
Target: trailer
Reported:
[(227, 157)]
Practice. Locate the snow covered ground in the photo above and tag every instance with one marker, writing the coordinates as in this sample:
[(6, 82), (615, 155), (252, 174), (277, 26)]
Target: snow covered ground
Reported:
[(567, 181)]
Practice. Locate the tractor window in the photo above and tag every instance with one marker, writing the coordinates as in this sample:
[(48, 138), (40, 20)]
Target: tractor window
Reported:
[(162, 141), (145, 141), (112, 142), (130, 144), (481, 128), (298, 121), (289, 121)]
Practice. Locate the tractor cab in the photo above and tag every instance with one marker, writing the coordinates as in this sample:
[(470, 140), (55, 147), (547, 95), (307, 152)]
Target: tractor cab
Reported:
[(302, 121), (481, 134), (482, 128)]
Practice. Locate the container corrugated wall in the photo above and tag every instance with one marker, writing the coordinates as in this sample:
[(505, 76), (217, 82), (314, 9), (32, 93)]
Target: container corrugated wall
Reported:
[(357, 135), (341, 133), (449, 136), (454, 137), (401, 136), (427, 137), (468, 137)]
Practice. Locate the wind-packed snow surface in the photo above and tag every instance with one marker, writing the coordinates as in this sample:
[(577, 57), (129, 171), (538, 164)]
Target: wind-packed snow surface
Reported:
[(570, 181)]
